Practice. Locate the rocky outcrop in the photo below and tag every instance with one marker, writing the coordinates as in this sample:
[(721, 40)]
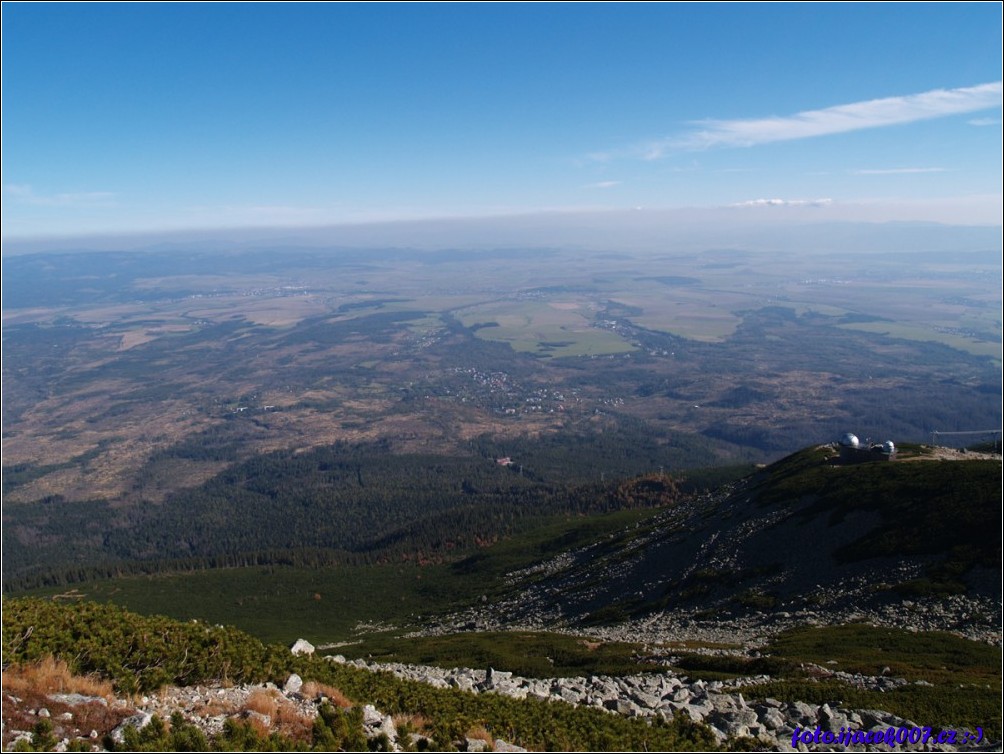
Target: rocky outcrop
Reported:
[(771, 723), (207, 707)]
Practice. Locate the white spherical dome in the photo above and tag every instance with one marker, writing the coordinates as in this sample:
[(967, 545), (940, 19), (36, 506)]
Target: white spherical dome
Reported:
[(850, 440)]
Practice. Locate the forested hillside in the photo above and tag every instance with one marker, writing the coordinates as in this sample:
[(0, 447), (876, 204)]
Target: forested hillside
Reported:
[(336, 504)]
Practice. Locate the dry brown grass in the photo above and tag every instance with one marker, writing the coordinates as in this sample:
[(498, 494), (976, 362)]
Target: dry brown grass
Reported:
[(52, 676), (287, 715), (214, 707), (262, 701), (28, 687), (415, 723), (480, 733), (313, 689), (282, 714), (291, 722), (258, 726)]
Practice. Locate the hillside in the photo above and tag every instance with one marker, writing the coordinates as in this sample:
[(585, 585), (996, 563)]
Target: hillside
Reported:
[(208, 687), (83, 664), (336, 504), (794, 597), (804, 535), (804, 539)]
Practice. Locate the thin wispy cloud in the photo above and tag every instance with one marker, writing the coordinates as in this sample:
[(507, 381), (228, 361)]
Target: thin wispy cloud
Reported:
[(896, 171), (24, 194), (602, 185), (785, 203), (876, 113), (262, 214), (984, 122)]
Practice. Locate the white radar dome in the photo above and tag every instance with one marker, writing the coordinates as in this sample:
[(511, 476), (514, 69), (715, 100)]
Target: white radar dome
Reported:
[(850, 441)]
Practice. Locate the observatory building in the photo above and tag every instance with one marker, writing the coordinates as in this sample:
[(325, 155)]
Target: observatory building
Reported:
[(852, 450)]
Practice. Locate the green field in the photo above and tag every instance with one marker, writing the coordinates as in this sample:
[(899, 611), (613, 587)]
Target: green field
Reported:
[(927, 334), (706, 316), (553, 328)]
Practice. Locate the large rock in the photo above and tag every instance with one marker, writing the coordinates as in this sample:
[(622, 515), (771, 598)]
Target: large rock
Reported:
[(462, 682), (501, 745), (73, 700), (293, 684), (495, 677), (681, 695), (511, 689), (723, 703), (570, 695), (302, 647), (738, 723), (646, 700), (832, 721), (804, 714), (772, 719), (388, 728), (138, 721), (669, 685), (622, 707), (697, 709)]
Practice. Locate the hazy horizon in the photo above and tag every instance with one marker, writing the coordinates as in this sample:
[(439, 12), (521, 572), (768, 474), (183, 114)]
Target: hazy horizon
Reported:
[(765, 228)]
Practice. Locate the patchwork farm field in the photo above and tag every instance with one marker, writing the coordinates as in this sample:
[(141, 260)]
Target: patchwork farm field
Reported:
[(114, 361)]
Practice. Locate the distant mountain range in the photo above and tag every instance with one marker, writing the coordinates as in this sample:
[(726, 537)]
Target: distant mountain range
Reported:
[(801, 228)]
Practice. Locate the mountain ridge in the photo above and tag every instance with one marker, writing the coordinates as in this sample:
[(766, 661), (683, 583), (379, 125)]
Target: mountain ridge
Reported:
[(803, 535)]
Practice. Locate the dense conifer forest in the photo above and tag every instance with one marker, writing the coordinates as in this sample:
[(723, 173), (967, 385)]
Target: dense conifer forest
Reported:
[(338, 504)]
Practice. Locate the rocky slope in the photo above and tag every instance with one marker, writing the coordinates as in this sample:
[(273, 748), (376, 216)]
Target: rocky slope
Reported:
[(807, 540), (102, 721), (772, 724)]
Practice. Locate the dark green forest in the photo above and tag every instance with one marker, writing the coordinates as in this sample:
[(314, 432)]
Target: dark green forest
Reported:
[(340, 504)]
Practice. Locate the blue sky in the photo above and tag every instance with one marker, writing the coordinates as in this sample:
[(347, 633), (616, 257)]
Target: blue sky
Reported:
[(149, 117)]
